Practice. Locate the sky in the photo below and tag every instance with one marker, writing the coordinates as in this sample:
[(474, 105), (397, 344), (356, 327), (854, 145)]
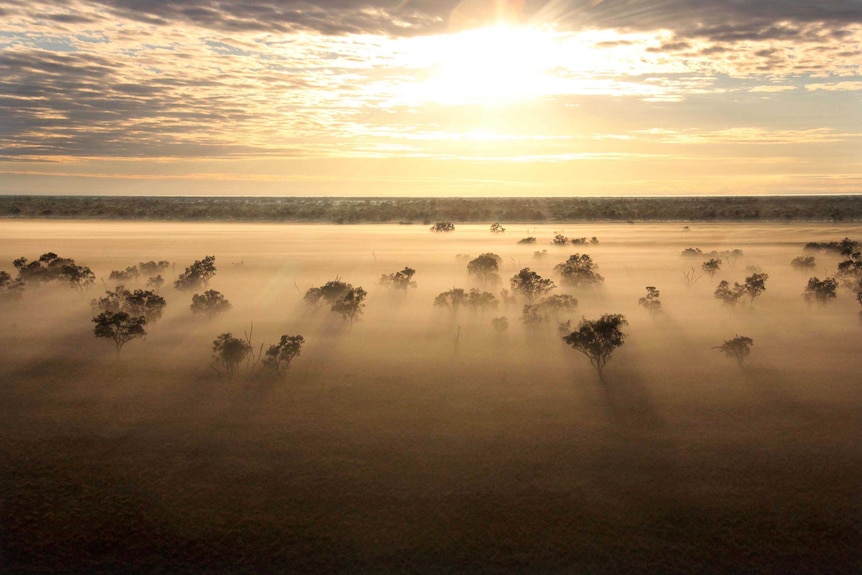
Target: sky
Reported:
[(431, 97)]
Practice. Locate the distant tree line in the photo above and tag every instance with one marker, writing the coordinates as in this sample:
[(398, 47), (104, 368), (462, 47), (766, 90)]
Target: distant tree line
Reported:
[(427, 211)]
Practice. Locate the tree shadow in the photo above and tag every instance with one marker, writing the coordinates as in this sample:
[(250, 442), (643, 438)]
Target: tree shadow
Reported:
[(626, 401)]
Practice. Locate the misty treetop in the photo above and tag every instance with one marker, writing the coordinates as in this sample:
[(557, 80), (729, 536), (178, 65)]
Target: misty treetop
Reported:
[(738, 348), (530, 284), (597, 339), (400, 280), (139, 302), (52, 268), (197, 275), (211, 303), (119, 327), (579, 270), (342, 297)]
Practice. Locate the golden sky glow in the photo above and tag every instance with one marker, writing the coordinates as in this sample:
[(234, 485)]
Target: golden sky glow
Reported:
[(388, 98)]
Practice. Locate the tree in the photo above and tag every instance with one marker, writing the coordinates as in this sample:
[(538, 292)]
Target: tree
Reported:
[(350, 305), (728, 294), (229, 352), (711, 266), (690, 277), (119, 327), (399, 280), (547, 309), (480, 300), (738, 348), (850, 270), (597, 339), (152, 268), (530, 284), (443, 227), (155, 282), (485, 267), (210, 303), (651, 301), (10, 288), (452, 299), (497, 228), (500, 324), (128, 274), (527, 240), (137, 303), (330, 292), (51, 267), (578, 270), (803, 263), (755, 284), (196, 275), (279, 355), (820, 291), (560, 240)]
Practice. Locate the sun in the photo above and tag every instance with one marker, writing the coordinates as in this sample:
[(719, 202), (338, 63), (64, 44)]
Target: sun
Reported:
[(489, 66)]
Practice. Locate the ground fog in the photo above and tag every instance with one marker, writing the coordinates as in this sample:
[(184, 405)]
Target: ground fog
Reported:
[(415, 439)]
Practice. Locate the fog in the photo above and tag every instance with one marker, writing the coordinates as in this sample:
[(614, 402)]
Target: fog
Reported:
[(415, 440)]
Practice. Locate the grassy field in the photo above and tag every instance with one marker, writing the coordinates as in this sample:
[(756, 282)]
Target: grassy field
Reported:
[(417, 441)]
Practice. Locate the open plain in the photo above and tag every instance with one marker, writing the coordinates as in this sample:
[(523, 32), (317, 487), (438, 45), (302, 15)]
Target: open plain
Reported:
[(415, 440)]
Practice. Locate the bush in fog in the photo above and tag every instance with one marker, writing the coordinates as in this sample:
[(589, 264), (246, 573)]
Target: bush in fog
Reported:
[(119, 327), (597, 339), (729, 294), (500, 324), (578, 270), (803, 263), (711, 266), (153, 268), (691, 253), (560, 240), (850, 270), (197, 275), (10, 288), (737, 348), (547, 309), (755, 284), (399, 280), (52, 268), (538, 255), (844, 247), (527, 240), (137, 303), (480, 301), (155, 282), (278, 356), (351, 304), (497, 228), (443, 227), (530, 284), (820, 291), (452, 299), (229, 353), (651, 301), (485, 267), (210, 303)]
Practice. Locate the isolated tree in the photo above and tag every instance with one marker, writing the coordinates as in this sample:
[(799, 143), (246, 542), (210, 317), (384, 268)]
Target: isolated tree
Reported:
[(51, 267), (129, 274), (738, 348), (527, 240), (578, 270), (803, 263), (729, 294), (330, 292), (560, 240), (350, 305), (144, 303), (279, 355), (691, 276), (480, 300), (530, 284), (547, 309), (399, 280), (539, 255), (119, 327), (443, 227), (691, 253), (197, 275), (451, 299), (485, 267), (10, 288), (229, 353), (497, 228), (651, 301), (820, 291), (755, 284), (597, 339), (210, 303), (711, 266)]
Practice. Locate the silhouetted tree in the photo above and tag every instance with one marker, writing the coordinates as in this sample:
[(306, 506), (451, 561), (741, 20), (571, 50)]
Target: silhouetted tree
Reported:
[(10, 288), (691, 253), (711, 266), (651, 301), (738, 348), (547, 309), (443, 227), (497, 228), (128, 274), (137, 303), (755, 284), (51, 267), (820, 291), (728, 294), (229, 353), (210, 303), (350, 305), (119, 327), (485, 267), (399, 280), (452, 299), (530, 284), (578, 270), (560, 240), (480, 300), (850, 270), (153, 268), (330, 292), (803, 263), (197, 275), (279, 355), (527, 240), (155, 282), (500, 324), (597, 339)]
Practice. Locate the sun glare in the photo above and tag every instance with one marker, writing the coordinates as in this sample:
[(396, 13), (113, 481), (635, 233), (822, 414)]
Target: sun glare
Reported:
[(490, 66)]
